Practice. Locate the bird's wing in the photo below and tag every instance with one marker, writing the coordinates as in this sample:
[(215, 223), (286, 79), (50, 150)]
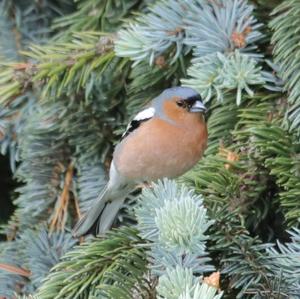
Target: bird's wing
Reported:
[(141, 117)]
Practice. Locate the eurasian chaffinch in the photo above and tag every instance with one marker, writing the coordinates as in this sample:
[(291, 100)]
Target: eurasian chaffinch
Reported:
[(166, 139)]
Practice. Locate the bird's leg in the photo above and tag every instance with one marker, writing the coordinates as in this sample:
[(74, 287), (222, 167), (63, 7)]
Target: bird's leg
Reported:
[(144, 185)]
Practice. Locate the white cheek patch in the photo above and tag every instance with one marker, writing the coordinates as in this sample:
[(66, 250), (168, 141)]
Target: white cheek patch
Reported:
[(145, 114)]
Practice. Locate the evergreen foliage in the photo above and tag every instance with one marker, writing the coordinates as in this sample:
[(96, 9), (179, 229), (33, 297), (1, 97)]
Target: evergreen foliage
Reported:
[(73, 74), (112, 268), (31, 255), (286, 49)]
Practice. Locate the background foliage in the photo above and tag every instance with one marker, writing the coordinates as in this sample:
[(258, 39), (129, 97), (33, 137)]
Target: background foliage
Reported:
[(71, 76)]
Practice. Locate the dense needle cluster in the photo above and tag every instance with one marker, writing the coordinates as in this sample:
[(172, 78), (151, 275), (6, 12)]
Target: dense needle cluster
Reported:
[(73, 74)]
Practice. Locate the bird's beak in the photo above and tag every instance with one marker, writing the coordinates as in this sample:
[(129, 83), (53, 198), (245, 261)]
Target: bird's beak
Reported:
[(198, 107)]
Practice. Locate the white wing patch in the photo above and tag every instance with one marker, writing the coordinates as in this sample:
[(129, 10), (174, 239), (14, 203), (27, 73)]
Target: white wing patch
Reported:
[(138, 119), (145, 114)]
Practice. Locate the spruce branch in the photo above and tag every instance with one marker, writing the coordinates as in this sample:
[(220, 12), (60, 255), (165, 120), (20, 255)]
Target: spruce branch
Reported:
[(284, 261), (238, 72), (281, 158), (59, 217), (245, 264), (262, 137), (15, 270), (30, 257), (175, 282), (43, 151), (159, 31), (10, 51), (180, 283), (112, 267), (182, 225), (28, 22), (174, 217), (91, 15), (12, 121), (42, 250), (206, 290), (286, 38), (60, 69), (14, 279), (173, 27), (220, 123), (217, 178), (222, 26), (215, 74), (174, 220)]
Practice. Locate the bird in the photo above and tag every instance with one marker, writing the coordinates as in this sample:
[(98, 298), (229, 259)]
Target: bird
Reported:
[(166, 139)]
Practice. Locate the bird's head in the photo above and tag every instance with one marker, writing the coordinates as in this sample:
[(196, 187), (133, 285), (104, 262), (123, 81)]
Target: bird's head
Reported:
[(179, 102)]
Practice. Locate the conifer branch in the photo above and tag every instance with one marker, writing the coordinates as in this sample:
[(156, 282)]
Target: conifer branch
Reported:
[(286, 52), (59, 217), (60, 69), (15, 270)]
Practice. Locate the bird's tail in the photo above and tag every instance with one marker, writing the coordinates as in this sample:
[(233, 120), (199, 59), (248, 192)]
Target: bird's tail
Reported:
[(101, 213)]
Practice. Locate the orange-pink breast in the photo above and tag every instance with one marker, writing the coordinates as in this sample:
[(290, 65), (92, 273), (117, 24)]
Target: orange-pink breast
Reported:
[(160, 149)]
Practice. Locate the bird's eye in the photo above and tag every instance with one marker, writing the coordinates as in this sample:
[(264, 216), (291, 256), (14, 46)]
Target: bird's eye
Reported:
[(181, 104)]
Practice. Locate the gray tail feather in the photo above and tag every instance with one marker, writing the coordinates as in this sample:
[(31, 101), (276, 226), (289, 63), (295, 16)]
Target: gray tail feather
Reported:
[(109, 214), (91, 217)]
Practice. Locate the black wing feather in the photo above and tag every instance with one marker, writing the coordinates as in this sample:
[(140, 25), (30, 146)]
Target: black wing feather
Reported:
[(133, 125)]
